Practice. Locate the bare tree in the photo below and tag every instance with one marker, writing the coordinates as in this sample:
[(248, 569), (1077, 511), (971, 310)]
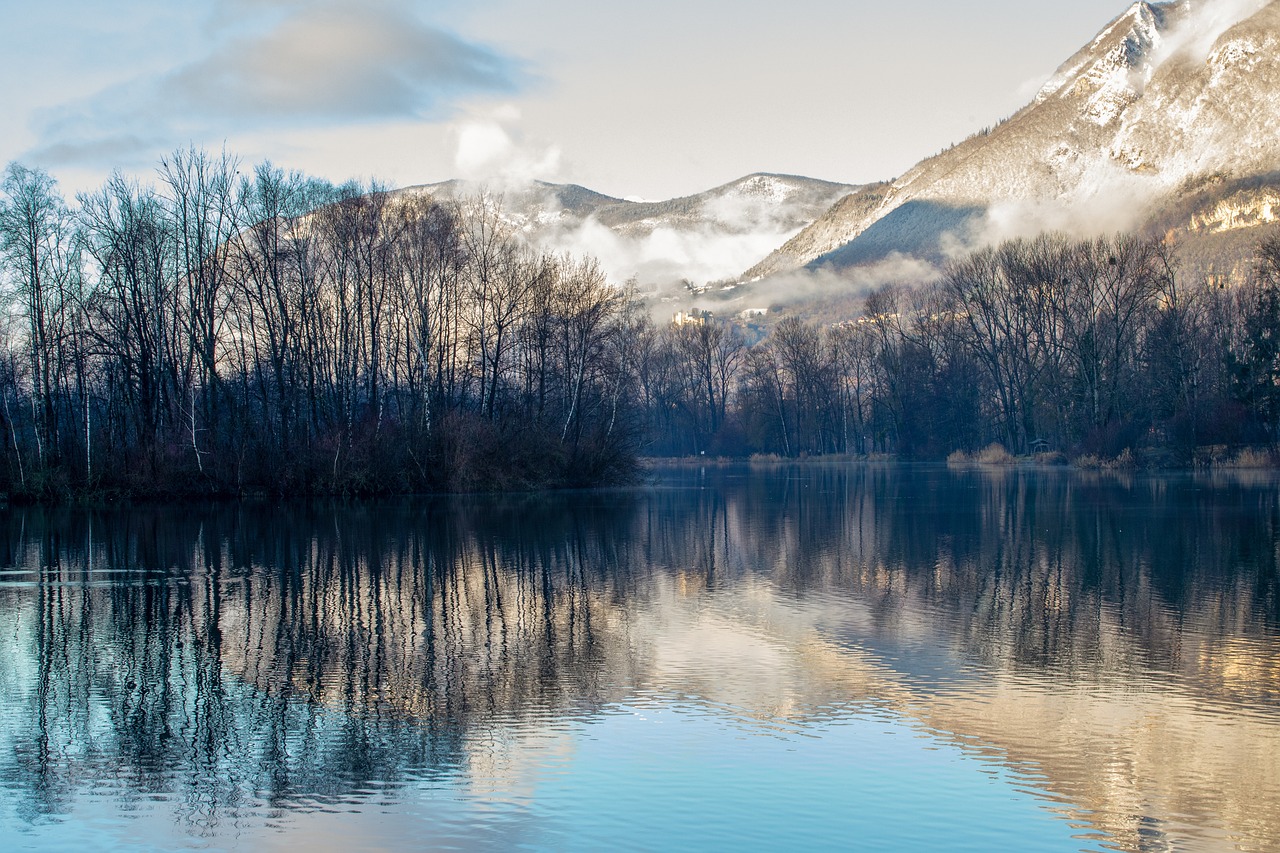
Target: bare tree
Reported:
[(35, 238), (201, 200)]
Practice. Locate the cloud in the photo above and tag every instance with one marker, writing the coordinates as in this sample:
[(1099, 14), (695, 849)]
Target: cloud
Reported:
[(827, 284), (665, 256), (824, 293), (339, 62), (119, 150), (286, 65), (491, 150), (712, 240), (711, 237), (1104, 198)]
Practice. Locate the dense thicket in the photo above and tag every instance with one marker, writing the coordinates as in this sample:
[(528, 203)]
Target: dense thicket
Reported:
[(223, 333), (1078, 346)]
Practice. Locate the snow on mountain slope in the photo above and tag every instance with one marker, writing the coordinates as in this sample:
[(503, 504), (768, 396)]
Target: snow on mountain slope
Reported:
[(761, 200), (1168, 95), (780, 202), (529, 207), (699, 238)]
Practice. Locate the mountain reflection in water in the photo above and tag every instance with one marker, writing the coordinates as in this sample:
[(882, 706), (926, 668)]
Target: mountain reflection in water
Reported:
[(1113, 642)]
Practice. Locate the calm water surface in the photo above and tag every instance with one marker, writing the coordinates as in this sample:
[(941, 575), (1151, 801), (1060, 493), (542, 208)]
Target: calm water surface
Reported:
[(812, 657)]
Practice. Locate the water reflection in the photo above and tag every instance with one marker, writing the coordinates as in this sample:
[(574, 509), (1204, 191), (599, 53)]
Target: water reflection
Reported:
[(1114, 641)]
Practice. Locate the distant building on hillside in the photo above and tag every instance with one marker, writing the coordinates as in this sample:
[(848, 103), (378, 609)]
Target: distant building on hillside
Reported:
[(690, 318)]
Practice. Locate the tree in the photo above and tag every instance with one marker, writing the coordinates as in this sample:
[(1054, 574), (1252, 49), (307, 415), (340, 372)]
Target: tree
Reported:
[(206, 216), (35, 239), (1255, 364), (133, 315), (709, 355)]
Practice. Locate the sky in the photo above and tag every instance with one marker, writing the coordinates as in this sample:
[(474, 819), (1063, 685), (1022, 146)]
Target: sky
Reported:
[(646, 100)]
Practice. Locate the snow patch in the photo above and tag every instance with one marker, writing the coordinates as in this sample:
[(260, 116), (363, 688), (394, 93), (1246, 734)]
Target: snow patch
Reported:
[(1119, 72), (1240, 56)]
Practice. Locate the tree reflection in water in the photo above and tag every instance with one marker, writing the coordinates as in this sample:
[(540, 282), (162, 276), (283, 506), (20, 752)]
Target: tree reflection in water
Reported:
[(1113, 638)]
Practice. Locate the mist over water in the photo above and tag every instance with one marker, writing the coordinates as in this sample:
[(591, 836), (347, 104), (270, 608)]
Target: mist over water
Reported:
[(745, 657)]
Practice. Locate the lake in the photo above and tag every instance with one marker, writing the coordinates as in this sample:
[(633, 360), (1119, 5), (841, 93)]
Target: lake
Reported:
[(813, 656)]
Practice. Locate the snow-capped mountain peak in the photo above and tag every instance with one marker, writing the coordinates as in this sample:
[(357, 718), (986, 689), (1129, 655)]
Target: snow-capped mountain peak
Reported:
[(1168, 96), (1113, 71)]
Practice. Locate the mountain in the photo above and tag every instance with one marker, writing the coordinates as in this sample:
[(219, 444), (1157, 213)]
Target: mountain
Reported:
[(1165, 120), (779, 202), (704, 237), (528, 207)]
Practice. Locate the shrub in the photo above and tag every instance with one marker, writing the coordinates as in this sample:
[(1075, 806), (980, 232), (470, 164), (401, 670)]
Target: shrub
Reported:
[(1251, 458), (995, 454), (1211, 455), (1124, 461)]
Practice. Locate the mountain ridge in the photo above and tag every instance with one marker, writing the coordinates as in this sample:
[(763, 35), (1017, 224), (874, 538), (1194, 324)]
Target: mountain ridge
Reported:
[(664, 245), (792, 200), (1162, 97)]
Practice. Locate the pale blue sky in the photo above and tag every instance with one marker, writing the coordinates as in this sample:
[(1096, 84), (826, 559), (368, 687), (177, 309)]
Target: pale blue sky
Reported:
[(651, 99)]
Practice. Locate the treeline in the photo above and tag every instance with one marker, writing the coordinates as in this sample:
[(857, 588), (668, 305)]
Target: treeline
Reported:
[(224, 333), (1051, 344), (228, 333)]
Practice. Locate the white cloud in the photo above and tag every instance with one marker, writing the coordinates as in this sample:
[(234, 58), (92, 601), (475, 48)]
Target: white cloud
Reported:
[(666, 255), (823, 286), (490, 149), (1118, 201)]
